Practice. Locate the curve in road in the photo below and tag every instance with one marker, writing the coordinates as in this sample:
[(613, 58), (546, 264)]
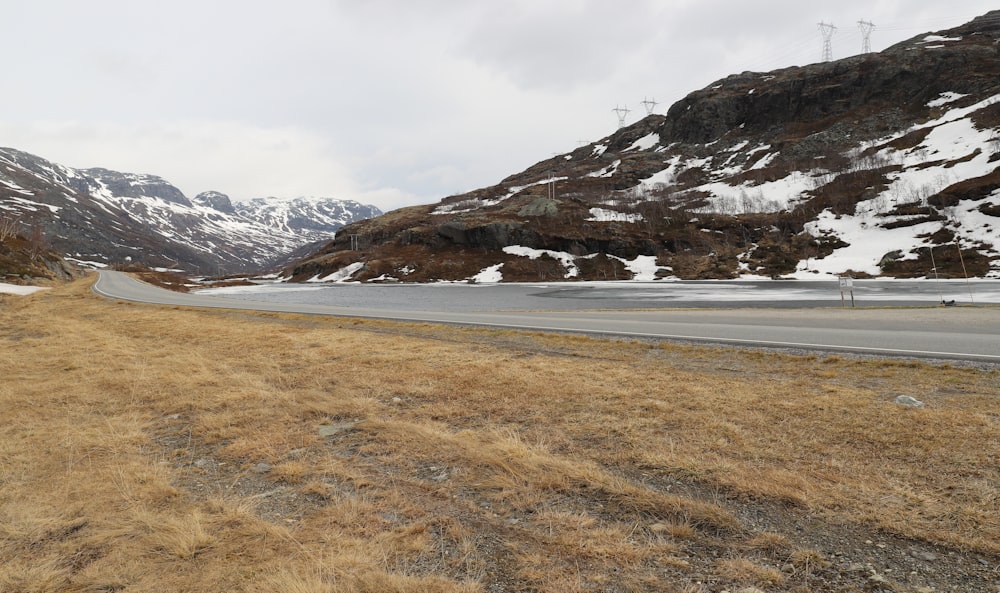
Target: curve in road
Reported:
[(959, 333)]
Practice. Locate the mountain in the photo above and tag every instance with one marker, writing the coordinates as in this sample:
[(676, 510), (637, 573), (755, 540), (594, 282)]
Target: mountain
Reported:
[(881, 164), (104, 217), (312, 220)]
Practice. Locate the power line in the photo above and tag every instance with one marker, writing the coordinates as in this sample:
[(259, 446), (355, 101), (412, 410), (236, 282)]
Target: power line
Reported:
[(794, 50), (827, 30), (866, 35), (622, 113)]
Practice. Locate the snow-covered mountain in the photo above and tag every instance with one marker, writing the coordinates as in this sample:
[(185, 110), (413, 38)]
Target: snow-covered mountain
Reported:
[(312, 219), (107, 217), (882, 164)]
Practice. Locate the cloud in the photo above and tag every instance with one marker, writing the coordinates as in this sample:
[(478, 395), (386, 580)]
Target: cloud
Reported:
[(393, 101), (560, 44)]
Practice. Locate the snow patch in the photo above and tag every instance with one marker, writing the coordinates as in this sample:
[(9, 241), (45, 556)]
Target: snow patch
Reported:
[(645, 143), (17, 188), (938, 39), (868, 243), (770, 196), (764, 161), (19, 290), (945, 98), (93, 265), (567, 260), (738, 147), (490, 275), (477, 203), (606, 171), (342, 275), (603, 215), (29, 205), (643, 267)]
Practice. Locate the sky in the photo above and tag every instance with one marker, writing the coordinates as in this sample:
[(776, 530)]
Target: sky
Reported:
[(388, 102)]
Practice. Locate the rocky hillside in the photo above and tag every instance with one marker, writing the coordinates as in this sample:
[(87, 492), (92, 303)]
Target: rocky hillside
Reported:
[(28, 259), (877, 165), (102, 217)]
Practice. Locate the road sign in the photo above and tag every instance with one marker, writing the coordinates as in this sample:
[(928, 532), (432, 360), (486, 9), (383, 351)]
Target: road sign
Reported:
[(846, 283)]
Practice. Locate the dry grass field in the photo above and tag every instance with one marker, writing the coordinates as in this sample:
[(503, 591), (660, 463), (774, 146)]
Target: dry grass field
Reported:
[(146, 448)]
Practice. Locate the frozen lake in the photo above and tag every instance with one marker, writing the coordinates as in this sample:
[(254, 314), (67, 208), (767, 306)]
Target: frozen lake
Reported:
[(620, 295)]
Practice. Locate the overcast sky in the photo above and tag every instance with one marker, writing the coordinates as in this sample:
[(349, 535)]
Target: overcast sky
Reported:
[(390, 102)]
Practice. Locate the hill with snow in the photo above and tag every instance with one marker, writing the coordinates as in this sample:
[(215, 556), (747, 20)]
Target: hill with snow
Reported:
[(877, 165), (100, 217), (310, 219)]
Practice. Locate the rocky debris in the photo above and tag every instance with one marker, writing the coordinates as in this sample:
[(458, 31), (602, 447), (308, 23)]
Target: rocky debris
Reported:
[(261, 468), (909, 401), (334, 428), (540, 207)]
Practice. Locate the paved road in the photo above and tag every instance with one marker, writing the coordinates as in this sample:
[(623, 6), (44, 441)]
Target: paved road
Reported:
[(965, 333)]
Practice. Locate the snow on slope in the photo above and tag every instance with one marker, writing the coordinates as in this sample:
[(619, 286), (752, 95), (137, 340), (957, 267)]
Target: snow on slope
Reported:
[(200, 227), (316, 219), (18, 289), (954, 149), (97, 212)]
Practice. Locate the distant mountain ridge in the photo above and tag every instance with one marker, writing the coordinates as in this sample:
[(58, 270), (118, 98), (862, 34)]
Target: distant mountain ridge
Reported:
[(105, 217), (882, 164), (308, 218)]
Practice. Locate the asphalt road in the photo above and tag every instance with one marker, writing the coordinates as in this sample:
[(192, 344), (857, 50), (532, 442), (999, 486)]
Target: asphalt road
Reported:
[(962, 333)]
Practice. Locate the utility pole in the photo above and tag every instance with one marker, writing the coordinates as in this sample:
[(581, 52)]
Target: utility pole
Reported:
[(552, 181), (866, 36), (622, 113), (649, 104), (937, 279), (827, 30)]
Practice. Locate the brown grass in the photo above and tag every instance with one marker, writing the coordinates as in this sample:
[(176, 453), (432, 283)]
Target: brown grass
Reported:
[(150, 449)]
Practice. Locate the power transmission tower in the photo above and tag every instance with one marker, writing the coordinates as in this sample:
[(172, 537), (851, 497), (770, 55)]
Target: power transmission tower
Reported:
[(827, 30), (622, 114), (866, 36), (649, 104)]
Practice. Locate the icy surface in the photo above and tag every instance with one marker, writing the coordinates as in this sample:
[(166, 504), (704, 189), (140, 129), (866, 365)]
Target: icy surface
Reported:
[(463, 296)]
